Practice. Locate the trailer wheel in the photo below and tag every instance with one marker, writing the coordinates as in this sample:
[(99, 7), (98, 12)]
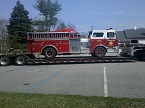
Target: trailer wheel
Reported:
[(49, 53), (4, 61), (20, 60), (139, 55), (99, 52)]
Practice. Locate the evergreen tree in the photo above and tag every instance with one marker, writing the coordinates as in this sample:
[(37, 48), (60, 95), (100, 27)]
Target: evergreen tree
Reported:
[(19, 25)]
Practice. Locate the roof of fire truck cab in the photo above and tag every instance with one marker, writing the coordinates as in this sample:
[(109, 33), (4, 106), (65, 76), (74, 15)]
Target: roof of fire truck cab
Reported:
[(103, 30)]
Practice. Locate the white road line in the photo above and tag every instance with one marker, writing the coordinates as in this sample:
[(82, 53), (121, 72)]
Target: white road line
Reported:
[(105, 83)]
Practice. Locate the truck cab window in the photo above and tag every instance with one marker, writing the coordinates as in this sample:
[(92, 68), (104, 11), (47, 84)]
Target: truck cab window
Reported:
[(110, 35), (98, 34)]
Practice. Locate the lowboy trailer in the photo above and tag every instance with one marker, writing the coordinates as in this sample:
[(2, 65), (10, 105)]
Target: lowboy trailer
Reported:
[(45, 47), (23, 59)]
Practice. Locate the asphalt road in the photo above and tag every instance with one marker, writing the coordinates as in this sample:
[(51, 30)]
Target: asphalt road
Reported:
[(97, 79)]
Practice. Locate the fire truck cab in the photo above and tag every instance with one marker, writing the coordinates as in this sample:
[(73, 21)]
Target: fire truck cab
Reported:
[(67, 41), (102, 41)]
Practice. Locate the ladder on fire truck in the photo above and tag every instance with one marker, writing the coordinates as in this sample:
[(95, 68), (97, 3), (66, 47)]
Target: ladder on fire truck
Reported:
[(52, 35)]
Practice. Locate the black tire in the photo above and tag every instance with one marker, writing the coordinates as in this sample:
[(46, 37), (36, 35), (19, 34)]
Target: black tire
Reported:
[(139, 55), (49, 53), (5, 61), (20, 60), (99, 52)]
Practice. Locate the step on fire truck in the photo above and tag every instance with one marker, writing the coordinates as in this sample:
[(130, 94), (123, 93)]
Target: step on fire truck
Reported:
[(66, 42)]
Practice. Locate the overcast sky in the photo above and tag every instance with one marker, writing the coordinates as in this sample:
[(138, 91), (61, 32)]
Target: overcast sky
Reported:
[(101, 14)]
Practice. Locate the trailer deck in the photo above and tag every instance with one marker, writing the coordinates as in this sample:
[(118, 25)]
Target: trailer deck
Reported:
[(26, 59), (82, 59)]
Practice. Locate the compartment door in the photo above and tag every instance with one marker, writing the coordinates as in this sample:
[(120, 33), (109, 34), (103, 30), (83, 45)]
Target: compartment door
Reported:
[(75, 46)]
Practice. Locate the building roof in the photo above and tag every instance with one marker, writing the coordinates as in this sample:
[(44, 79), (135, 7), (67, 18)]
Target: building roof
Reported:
[(135, 34), (129, 34), (121, 36)]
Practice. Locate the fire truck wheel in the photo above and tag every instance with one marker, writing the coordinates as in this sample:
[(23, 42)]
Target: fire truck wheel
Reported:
[(20, 60), (4, 61), (49, 53), (99, 52)]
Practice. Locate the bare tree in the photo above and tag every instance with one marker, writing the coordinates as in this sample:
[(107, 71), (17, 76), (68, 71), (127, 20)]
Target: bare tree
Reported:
[(3, 34), (3, 29), (71, 26), (62, 25)]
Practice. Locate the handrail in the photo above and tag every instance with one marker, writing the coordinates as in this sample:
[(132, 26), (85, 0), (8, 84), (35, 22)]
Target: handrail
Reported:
[(52, 35)]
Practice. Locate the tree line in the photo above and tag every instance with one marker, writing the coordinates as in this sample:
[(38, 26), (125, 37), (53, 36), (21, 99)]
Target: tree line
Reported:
[(13, 32)]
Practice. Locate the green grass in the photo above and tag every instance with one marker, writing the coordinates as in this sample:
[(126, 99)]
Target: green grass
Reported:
[(21, 100)]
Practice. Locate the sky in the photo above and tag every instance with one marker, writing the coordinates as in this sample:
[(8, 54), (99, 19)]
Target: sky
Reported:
[(85, 14)]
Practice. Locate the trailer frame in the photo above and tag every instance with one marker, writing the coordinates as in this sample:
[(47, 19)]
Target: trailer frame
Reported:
[(26, 59)]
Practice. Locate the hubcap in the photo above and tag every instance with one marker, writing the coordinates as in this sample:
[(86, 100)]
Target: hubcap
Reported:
[(3, 61), (20, 60), (100, 52), (49, 53)]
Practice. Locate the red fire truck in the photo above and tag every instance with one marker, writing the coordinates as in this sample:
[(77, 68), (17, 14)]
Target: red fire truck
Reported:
[(66, 41)]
